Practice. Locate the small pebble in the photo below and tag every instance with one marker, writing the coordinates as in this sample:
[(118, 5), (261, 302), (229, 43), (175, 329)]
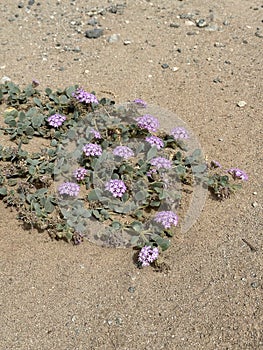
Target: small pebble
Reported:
[(126, 42), (4, 79), (94, 33), (131, 289), (201, 23), (113, 38), (254, 284), (254, 204), (165, 66), (189, 23), (174, 25), (175, 69), (217, 44), (241, 104)]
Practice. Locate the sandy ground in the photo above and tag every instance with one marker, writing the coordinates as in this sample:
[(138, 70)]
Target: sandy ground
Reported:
[(57, 296)]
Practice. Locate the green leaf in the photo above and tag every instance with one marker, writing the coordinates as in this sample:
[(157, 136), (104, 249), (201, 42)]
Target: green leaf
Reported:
[(134, 240), (116, 225), (49, 207), (12, 182), (48, 91), (141, 195), (63, 100), (37, 121), (3, 191), (29, 131), (96, 213), (155, 203), (164, 243), (37, 102), (10, 120), (151, 153), (137, 226), (94, 195)]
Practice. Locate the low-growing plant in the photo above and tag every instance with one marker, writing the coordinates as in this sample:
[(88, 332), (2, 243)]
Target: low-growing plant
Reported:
[(109, 173)]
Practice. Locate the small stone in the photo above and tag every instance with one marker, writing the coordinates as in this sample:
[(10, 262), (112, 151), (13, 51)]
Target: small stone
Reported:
[(241, 104), (254, 193), (131, 289), (174, 25), (165, 66), (4, 79), (113, 38), (259, 34), (76, 49), (31, 2), (175, 69), (254, 204), (201, 23), (226, 23), (93, 21), (20, 5), (94, 33), (212, 28), (254, 284), (220, 139), (217, 44), (189, 23), (126, 42), (217, 80)]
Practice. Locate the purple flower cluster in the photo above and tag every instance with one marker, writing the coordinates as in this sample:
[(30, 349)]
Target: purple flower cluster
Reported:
[(238, 174), (140, 103), (155, 141), (83, 96), (92, 149), (180, 133), (161, 162), (80, 174), (148, 122), (69, 188), (166, 218), (148, 255), (123, 151), (95, 133), (116, 187), (56, 120)]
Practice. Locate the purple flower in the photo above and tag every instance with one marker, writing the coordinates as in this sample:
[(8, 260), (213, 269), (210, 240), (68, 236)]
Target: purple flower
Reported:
[(92, 149), (83, 96), (80, 174), (148, 255), (238, 174), (116, 187), (123, 151), (148, 122), (161, 162), (166, 218), (69, 188), (155, 141), (215, 164), (151, 172), (95, 133), (35, 82), (180, 133), (140, 103), (56, 120)]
